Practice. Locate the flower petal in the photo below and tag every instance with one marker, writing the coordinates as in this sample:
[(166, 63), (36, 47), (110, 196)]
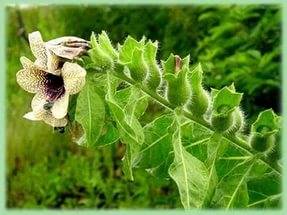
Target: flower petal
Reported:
[(26, 63), (68, 47), (60, 107), (38, 49), (50, 120), (30, 78), (74, 77), (32, 116), (40, 113), (38, 103), (53, 63)]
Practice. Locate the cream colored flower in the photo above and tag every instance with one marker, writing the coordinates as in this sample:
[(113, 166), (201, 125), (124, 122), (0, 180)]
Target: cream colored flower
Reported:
[(51, 55), (52, 80)]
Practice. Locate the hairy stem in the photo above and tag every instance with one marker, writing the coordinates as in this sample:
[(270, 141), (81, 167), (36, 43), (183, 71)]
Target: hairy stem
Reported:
[(237, 142)]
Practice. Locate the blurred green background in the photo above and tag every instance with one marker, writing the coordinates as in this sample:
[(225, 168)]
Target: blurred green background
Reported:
[(238, 44)]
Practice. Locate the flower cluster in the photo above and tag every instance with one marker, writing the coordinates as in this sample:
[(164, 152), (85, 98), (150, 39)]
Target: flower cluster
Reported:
[(52, 77)]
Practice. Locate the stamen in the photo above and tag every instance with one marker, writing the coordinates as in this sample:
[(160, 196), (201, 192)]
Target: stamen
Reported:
[(48, 105), (59, 129)]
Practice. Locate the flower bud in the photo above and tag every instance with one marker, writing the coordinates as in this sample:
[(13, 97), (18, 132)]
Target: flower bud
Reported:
[(126, 50), (176, 69), (260, 142), (138, 67), (238, 122), (225, 102), (178, 91), (263, 131), (199, 101), (107, 46), (101, 59), (154, 73), (222, 122)]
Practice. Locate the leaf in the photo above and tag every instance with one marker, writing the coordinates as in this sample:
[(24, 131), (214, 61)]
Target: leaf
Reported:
[(161, 171), (90, 113), (189, 173), (130, 132), (195, 76), (136, 103), (153, 79), (232, 191), (132, 100), (259, 195), (157, 144), (273, 201), (109, 135), (195, 139)]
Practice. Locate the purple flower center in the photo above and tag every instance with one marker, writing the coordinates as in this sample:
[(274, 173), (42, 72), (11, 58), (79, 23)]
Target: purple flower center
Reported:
[(54, 87)]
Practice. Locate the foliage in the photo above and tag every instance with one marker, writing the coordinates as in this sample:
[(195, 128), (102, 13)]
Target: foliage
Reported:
[(201, 181), (64, 183), (238, 45)]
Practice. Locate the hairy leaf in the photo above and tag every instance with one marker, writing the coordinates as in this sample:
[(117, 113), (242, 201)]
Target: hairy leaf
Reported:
[(90, 113), (189, 173), (232, 191), (130, 132), (157, 144)]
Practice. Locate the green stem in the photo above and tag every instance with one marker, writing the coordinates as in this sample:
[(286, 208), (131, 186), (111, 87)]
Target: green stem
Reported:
[(237, 142)]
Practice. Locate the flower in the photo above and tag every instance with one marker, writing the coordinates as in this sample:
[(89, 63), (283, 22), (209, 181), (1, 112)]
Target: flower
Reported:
[(51, 55), (52, 78)]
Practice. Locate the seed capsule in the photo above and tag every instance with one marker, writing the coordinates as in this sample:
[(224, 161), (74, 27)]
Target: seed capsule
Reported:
[(262, 143), (200, 100)]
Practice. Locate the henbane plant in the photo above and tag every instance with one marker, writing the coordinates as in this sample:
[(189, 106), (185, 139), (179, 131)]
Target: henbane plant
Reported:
[(200, 141)]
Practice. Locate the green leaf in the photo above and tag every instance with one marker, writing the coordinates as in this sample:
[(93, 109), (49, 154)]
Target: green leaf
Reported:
[(130, 132), (161, 171), (189, 173), (195, 139), (196, 76), (261, 196), (132, 100), (136, 103), (157, 144), (109, 135), (232, 191), (90, 113), (200, 100), (93, 39), (272, 201)]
